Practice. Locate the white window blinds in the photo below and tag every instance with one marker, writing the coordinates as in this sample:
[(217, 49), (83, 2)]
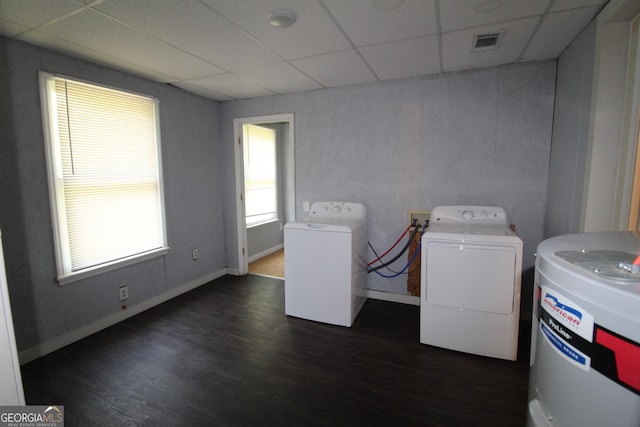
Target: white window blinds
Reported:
[(104, 171)]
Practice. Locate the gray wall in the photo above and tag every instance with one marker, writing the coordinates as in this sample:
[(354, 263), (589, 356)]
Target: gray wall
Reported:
[(193, 182), (480, 137), (264, 238), (570, 139)]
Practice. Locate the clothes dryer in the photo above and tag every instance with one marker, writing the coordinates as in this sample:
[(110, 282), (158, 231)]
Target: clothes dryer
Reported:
[(324, 265), (471, 268)]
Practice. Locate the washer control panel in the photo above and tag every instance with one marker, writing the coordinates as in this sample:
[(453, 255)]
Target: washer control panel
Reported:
[(337, 210), (469, 214)]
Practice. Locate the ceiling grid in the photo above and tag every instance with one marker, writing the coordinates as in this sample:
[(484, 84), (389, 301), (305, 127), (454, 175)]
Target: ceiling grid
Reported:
[(227, 49)]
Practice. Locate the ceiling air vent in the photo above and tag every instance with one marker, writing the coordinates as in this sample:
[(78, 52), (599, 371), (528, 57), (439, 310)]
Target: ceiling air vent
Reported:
[(488, 41)]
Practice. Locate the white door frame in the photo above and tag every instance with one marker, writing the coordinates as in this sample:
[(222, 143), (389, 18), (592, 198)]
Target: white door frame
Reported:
[(289, 178)]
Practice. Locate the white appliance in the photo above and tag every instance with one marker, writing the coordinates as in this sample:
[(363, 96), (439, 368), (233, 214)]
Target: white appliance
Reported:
[(585, 349), (324, 265), (471, 268)]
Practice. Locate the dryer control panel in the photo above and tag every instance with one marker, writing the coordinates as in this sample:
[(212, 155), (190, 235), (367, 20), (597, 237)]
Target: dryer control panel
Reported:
[(469, 214), (337, 210)]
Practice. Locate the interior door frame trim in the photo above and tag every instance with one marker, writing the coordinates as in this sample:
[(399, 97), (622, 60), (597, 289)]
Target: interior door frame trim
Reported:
[(289, 177)]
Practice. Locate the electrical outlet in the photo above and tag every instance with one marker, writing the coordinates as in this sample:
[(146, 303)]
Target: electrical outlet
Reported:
[(420, 217), (124, 292), (194, 254)]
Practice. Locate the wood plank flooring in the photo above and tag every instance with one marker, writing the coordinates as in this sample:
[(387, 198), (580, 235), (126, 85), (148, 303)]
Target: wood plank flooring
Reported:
[(225, 354), (270, 265)]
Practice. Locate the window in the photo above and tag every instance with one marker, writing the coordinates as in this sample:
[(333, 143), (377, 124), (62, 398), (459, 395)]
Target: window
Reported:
[(104, 176), (260, 175)]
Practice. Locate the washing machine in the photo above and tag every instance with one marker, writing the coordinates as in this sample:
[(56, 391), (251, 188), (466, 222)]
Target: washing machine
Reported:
[(471, 272), (324, 265), (585, 349)]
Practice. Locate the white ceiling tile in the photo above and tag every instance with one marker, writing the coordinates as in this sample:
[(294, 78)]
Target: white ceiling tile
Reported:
[(407, 58), (559, 5), (231, 85), (366, 25), (456, 46), (459, 14), (94, 31), (281, 78), (336, 69), (313, 33), (32, 13), (10, 29), (53, 43), (202, 91), (557, 31), (193, 27)]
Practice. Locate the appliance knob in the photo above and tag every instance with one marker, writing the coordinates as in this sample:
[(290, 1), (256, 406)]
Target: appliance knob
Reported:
[(335, 209), (467, 214)]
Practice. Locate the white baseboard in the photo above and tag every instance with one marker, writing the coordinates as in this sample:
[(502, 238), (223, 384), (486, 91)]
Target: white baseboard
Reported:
[(390, 296), (265, 252), (58, 342), (233, 271)]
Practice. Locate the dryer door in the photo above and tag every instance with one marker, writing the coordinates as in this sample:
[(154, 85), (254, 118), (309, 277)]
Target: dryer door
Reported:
[(471, 276)]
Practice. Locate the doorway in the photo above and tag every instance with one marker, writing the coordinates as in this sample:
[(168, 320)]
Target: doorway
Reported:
[(633, 128), (251, 239), (271, 265)]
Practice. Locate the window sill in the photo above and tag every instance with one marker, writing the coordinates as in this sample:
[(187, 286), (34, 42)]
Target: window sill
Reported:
[(104, 268), (258, 224)]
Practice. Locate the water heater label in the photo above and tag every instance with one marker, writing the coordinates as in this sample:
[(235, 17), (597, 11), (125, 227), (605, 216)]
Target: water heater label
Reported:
[(566, 350), (573, 334), (568, 314)]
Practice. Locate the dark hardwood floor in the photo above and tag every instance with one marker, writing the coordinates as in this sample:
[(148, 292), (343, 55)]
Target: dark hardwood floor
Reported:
[(225, 354)]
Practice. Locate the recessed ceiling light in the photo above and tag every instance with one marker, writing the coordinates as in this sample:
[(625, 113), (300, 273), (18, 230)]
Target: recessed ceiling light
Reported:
[(488, 6), (385, 5), (282, 18)]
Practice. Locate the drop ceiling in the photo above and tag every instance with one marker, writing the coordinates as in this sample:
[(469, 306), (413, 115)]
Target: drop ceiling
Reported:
[(226, 49)]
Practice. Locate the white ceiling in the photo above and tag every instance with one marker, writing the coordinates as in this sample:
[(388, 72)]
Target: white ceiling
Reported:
[(226, 49)]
